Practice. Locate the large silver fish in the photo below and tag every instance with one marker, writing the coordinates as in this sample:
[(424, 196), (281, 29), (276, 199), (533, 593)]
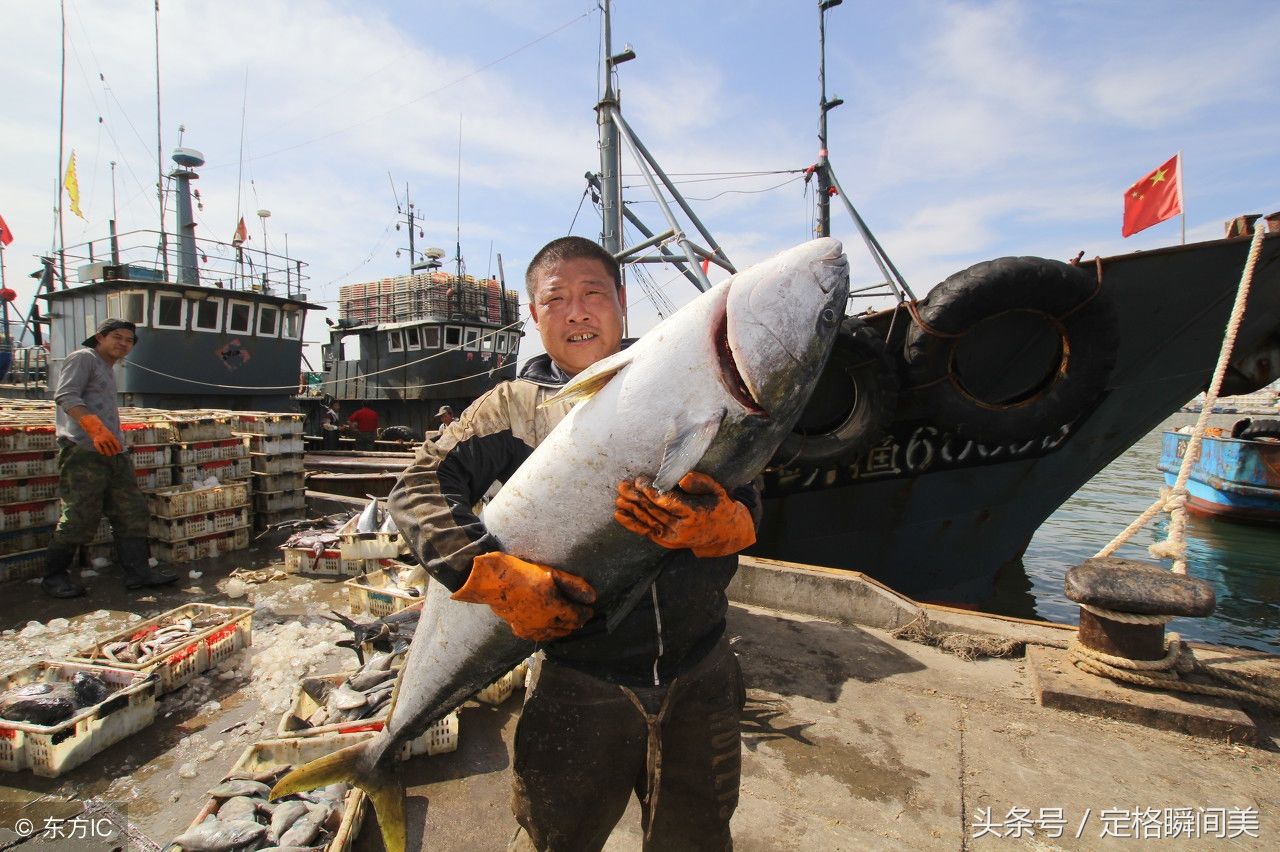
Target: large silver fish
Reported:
[(714, 388)]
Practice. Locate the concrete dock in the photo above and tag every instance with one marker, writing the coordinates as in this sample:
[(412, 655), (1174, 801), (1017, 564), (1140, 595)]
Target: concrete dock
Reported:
[(852, 739)]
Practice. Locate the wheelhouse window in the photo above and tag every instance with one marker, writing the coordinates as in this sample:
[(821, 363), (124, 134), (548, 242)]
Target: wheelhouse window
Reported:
[(268, 321), (128, 305), (472, 337), (486, 342), (240, 318), (413, 338), (206, 315), (501, 342), (395, 341), (431, 337), (171, 311), (452, 336), (292, 325)]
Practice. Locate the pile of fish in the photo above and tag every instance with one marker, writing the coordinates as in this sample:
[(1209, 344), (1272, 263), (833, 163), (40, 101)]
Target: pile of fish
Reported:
[(47, 704), (363, 695), (245, 820), (374, 520), (389, 634), (155, 640), (404, 579)]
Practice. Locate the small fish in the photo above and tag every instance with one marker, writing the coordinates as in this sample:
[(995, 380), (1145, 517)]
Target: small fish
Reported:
[(89, 689), (238, 808), (368, 679), (389, 525), (41, 703), (286, 814), (215, 835), (262, 776), (306, 828), (240, 787), (368, 522), (346, 698)]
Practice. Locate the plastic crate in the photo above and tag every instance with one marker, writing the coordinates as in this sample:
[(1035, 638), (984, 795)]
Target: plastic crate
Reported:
[(28, 437), (267, 755), (301, 560), (174, 530), (283, 463), (373, 593), (198, 653), (180, 500), (16, 465), (294, 481), (202, 547), (500, 690), (208, 451), (52, 750), (142, 433), (274, 444), (22, 566), (270, 424), (27, 490), (21, 516), (262, 520), (369, 545), (275, 501), (188, 430), (225, 470), (18, 541), (150, 455), (156, 477)]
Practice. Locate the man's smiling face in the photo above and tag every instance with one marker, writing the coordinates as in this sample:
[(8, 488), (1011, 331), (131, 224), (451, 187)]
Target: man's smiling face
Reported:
[(578, 308)]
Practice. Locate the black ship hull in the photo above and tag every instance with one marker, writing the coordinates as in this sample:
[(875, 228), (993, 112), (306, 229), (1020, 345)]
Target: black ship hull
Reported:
[(936, 515)]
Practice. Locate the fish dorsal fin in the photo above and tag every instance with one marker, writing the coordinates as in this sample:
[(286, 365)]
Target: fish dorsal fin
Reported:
[(589, 382), (684, 447)]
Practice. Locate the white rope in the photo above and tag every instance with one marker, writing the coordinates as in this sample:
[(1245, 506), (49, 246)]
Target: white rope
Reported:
[(1126, 617), (1174, 500)]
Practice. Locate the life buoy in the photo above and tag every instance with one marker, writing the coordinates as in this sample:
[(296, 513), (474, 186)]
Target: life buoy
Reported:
[(852, 404), (1012, 349)]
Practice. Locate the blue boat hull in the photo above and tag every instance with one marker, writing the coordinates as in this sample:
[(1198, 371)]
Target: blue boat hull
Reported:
[(1234, 478)]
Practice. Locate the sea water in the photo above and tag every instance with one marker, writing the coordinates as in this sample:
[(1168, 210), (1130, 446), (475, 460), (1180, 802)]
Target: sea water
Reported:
[(1242, 562)]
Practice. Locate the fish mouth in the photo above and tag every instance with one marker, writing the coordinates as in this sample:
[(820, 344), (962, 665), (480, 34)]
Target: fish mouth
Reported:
[(730, 375)]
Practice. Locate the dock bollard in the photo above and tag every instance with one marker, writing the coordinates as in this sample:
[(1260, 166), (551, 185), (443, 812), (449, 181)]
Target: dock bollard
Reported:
[(1108, 589)]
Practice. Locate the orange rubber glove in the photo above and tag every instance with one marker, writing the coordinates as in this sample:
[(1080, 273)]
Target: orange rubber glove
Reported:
[(699, 514), (103, 440), (539, 602)]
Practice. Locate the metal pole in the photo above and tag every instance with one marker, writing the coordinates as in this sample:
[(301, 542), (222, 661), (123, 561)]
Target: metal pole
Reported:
[(164, 256), (610, 153), (823, 228), (62, 111)]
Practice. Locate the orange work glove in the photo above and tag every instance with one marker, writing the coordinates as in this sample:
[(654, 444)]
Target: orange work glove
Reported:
[(539, 602), (699, 514), (103, 440)]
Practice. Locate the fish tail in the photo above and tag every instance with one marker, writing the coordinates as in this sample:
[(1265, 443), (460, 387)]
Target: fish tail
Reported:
[(355, 765)]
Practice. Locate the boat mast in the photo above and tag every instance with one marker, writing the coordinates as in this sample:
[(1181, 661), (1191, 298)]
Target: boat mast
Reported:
[(610, 153), (62, 112), (164, 243), (823, 228)]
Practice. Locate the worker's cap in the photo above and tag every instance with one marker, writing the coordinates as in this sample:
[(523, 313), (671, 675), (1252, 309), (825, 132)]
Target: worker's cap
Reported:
[(444, 409), (109, 325)]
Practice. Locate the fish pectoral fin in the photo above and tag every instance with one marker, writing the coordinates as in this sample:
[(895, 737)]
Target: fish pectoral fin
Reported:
[(350, 765), (589, 382), (684, 447)]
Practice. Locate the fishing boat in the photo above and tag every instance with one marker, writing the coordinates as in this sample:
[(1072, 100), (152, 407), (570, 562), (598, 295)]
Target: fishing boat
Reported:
[(1237, 474), (948, 428), (219, 325)]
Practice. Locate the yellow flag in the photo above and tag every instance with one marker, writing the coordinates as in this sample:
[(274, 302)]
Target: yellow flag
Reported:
[(73, 186)]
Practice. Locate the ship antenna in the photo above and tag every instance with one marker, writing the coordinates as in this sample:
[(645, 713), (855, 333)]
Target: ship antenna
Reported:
[(62, 111), (457, 246), (159, 156)]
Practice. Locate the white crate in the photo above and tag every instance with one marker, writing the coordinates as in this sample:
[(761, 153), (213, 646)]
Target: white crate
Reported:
[(224, 469), (156, 477), (276, 754), (283, 463), (182, 500), (201, 651), (208, 451), (262, 520), (373, 592), (278, 501), (202, 547), (28, 437), (28, 490), (301, 560), (187, 430), (269, 424), (18, 541), (176, 530), (369, 545), (16, 465), (274, 444), (22, 566), (500, 690), (145, 433), (150, 455), (295, 481), (21, 516), (50, 750)]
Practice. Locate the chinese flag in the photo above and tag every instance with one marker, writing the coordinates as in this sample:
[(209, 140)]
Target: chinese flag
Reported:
[(6, 236), (1156, 197), (241, 233)]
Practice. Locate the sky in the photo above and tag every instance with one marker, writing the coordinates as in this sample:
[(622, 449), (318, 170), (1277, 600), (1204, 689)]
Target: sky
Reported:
[(969, 130)]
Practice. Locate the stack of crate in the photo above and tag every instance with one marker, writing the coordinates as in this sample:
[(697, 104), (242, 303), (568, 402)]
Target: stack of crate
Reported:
[(274, 443), (29, 505)]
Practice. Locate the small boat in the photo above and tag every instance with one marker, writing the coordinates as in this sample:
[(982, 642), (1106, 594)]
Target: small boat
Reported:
[(1237, 476)]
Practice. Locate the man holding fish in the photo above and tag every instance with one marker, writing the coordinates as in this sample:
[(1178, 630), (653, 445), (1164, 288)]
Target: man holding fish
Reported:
[(650, 703)]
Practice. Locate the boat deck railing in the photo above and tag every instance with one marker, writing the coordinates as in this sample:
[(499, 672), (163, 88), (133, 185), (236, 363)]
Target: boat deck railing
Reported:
[(147, 256)]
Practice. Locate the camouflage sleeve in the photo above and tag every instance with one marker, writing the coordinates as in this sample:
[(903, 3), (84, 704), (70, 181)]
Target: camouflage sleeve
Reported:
[(432, 502)]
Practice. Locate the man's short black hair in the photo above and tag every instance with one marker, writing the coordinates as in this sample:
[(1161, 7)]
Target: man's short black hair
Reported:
[(568, 248)]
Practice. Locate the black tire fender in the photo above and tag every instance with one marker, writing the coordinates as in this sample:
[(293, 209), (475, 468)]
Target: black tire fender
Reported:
[(1261, 429), (852, 405), (1071, 303)]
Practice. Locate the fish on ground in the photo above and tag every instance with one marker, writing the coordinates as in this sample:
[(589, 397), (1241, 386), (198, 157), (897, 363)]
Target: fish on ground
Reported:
[(714, 388)]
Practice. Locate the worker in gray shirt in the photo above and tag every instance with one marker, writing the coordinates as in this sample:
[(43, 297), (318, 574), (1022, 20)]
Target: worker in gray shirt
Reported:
[(95, 474)]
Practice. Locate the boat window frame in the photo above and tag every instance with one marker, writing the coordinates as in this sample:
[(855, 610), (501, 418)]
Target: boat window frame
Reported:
[(454, 331), (470, 339), (429, 332), (197, 304), (500, 342), (488, 340), (415, 332), (232, 304), (294, 317), (275, 323), (121, 298), (162, 298), (395, 340)]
